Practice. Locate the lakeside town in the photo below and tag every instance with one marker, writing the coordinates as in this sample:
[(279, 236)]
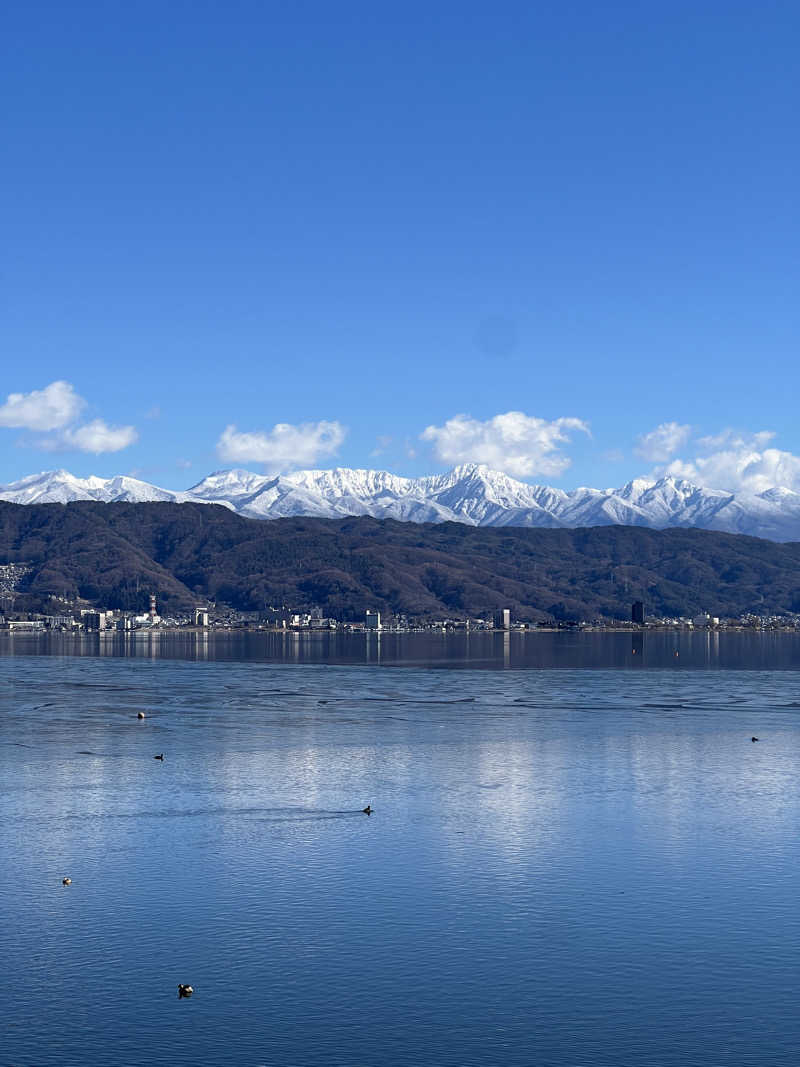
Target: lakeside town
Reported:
[(66, 618), (71, 616)]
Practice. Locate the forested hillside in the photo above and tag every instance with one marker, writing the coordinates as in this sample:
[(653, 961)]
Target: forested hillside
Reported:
[(115, 554)]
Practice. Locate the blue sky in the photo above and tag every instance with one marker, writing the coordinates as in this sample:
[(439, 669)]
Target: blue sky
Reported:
[(382, 227)]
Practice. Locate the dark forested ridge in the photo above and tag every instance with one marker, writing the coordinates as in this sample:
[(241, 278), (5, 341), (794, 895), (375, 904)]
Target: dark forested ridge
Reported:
[(114, 554)]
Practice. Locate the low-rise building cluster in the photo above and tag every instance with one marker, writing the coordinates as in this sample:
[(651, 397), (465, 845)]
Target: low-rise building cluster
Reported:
[(68, 617)]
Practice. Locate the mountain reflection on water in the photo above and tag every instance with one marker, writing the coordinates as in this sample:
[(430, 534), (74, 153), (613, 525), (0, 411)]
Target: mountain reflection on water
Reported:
[(735, 650), (562, 867)]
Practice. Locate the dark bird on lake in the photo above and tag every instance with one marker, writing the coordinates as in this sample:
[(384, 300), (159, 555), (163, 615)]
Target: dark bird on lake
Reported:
[(754, 739), (66, 881), (367, 810), (184, 991), (161, 757)]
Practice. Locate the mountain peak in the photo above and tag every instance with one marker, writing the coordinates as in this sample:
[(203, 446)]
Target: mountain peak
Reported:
[(469, 470), (471, 493)]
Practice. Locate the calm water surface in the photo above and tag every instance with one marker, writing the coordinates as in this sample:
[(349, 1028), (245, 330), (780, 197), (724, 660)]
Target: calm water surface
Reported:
[(706, 650), (564, 867)]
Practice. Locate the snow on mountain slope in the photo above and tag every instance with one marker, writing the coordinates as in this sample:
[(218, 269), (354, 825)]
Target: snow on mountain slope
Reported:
[(225, 484), (471, 494), (61, 487)]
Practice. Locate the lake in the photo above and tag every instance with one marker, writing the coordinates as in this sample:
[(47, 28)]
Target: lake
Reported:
[(734, 650), (564, 866)]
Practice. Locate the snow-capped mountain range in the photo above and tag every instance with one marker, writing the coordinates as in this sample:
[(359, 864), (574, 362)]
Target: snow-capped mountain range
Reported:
[(471, 494)]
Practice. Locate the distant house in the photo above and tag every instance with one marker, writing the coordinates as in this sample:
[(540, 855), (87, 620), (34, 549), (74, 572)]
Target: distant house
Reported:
[(276, 618), (24, 625)]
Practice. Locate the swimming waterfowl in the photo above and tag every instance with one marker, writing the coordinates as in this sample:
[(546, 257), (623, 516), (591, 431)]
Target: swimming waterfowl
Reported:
[(140, 715), (161, 757), (367, 810), (754, 739), (66, 881), (184, 990)]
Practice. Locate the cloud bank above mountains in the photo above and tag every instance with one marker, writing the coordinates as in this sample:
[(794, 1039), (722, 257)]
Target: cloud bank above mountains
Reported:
[(42, 409), (735, 461), (519, 444), (529, 447), (661, 444), (56, 419), (58, 408), (284, 447), (731, 460)]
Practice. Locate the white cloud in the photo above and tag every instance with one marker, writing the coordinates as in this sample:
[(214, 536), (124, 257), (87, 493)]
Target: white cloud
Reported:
[(735, 440), (43, 409), (95, 436), (284, 447), (57, 408), (662, 443), (739, 462), (515, 443)]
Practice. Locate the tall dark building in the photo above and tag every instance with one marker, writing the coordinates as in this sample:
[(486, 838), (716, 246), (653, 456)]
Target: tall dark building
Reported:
[(637, 612)]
